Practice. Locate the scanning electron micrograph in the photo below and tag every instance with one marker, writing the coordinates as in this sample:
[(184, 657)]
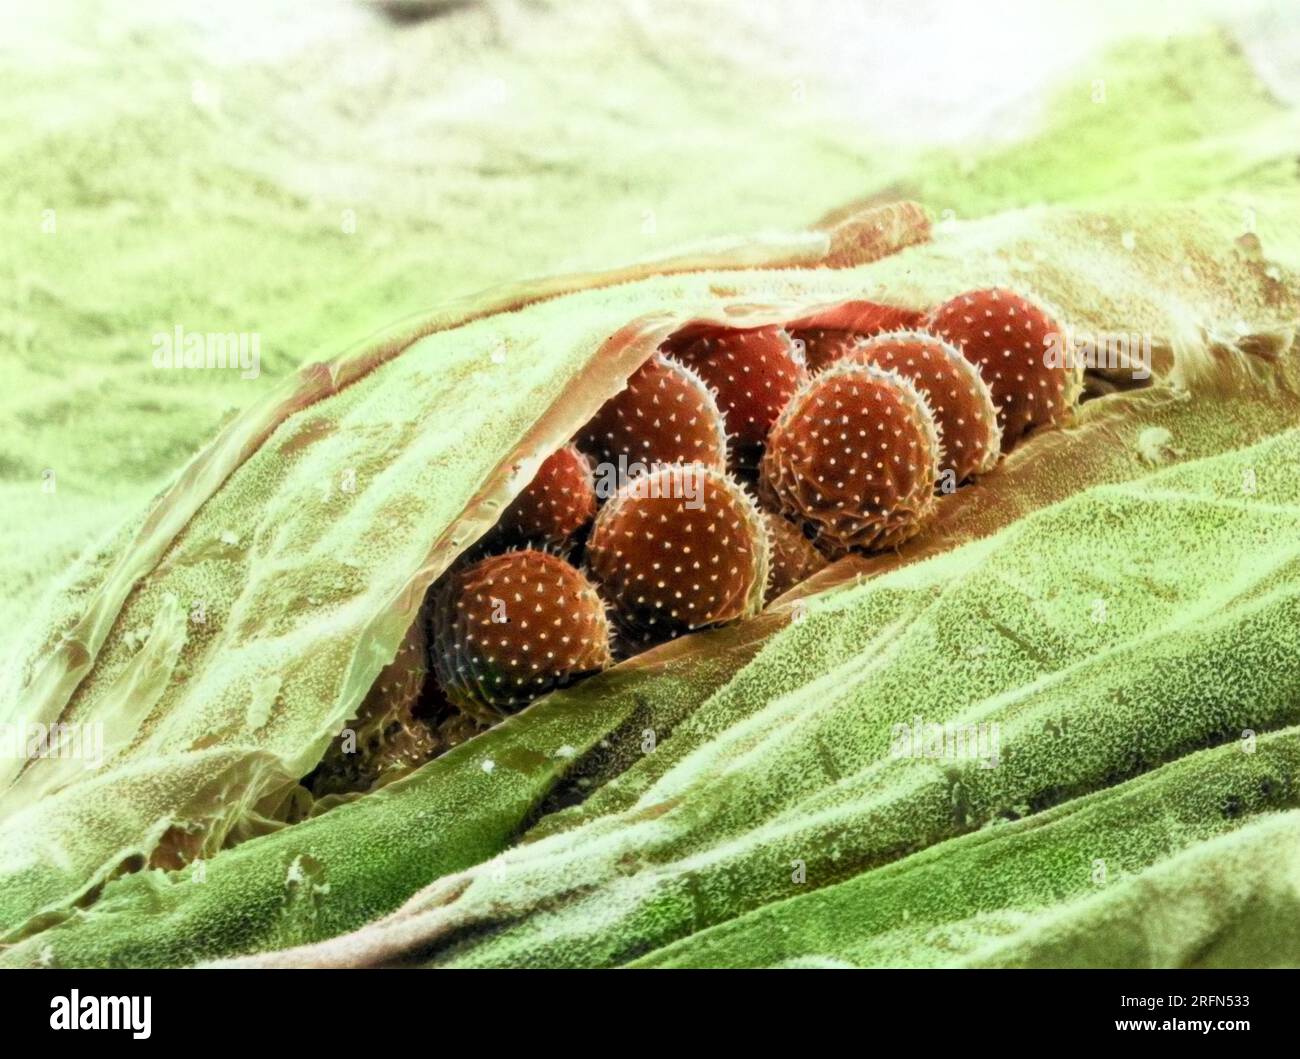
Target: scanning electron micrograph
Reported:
[(599, 484)]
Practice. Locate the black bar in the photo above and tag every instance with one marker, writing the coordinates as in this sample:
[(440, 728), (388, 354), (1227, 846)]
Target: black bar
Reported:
[(586, 1009)]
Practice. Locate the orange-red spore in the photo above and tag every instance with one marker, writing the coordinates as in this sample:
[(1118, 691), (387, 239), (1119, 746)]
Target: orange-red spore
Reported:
[(511, 627), (793, 557), (753, 373), (679, 549), (558, 502), (855, 455), (958, 398), (829, 334), (1010, 339), (665, 414)]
